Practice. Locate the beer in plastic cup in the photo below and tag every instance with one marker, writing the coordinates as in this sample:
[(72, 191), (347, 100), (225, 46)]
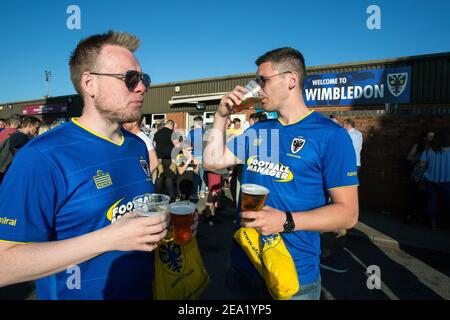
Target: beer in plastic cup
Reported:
[(181, 218), (251, 96), (150, 204), (253, 197)]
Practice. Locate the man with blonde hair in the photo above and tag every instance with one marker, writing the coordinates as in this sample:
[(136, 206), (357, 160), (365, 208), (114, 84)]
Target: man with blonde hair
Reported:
[(72, 204)]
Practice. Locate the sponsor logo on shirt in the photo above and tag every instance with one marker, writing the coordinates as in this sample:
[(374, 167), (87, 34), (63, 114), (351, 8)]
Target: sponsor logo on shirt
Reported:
[(352, 174), (6, 220), (279, 171), (117, 210), (102, 180)]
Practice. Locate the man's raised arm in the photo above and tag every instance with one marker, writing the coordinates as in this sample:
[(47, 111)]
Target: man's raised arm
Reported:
[(216, 154)]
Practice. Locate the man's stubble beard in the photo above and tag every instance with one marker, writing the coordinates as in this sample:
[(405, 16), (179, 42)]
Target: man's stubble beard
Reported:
[(124, 116)]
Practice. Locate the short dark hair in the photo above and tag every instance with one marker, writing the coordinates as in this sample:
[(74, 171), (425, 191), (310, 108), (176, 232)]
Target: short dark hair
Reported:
[(2, 119), (261, 116), (30, 120), (285, 59), (170, 121), (236, 120), (198, 118), (350, 122)]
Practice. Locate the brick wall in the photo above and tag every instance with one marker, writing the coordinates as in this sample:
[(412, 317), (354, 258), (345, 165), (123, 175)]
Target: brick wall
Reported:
[(178, 117), (388, 137)]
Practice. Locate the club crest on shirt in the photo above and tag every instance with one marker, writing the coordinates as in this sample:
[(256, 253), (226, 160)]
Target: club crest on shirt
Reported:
[(102, 180), (297, 144), (145, 167)]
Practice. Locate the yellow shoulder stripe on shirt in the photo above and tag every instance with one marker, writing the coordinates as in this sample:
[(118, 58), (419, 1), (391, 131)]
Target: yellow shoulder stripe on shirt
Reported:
[(7, 241), (96, 134), (306, 115), (353, 185)]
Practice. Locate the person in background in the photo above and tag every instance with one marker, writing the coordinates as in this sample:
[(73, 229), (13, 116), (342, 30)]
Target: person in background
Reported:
[(196, 138), (13, 123), (165, 141), (43, 128), (333, 242), (188, 167), (55, 124), (437, 163), (357, 139), (2, 124), (135, 128), (236, 130), (416, 172), (335, 120), (28, 130), (257, 117)]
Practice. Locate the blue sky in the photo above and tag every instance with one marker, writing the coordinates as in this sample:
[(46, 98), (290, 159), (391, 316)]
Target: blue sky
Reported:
[(191, 39)]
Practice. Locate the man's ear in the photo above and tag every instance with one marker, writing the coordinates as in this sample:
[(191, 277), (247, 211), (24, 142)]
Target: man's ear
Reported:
[(293, 80), (88, 84)]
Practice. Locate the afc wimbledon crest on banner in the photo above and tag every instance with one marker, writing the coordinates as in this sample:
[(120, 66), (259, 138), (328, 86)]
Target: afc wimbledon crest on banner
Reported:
[(375, 86), (397, 83)]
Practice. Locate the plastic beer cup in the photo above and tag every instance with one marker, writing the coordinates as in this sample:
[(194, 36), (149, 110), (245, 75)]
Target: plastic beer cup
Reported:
[(253, 197), (181, 219), (251, 96)]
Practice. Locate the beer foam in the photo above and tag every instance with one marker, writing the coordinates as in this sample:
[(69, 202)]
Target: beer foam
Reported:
[(182, 208), (254, 189)]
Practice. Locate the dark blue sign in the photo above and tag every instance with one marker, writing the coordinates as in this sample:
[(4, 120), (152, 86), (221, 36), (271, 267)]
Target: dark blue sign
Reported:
[(378, 86)]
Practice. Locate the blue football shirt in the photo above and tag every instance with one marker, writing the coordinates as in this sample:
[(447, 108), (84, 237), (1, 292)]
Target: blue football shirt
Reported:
[(69, 182), (298, 163)]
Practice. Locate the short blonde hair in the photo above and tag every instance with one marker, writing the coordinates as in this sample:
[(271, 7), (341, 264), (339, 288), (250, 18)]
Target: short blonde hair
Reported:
[(84, 57), (44, 127)]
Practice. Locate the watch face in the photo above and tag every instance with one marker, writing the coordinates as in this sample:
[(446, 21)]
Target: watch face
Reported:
[(288, 226)]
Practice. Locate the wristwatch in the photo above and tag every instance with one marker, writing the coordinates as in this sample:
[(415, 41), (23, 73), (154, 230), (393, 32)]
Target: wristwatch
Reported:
[(289, 225)]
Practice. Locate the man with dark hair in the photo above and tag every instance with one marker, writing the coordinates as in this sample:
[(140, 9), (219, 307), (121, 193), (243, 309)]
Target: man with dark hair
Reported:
[(332, 117), (2, 124), (70, 222), (165, 141), (315, 163)]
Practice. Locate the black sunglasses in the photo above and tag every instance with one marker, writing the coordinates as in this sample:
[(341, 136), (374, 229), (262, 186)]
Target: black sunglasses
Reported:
[(261, 80), (131, 78)]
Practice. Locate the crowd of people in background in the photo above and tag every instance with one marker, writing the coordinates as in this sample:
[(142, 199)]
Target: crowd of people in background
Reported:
[(429, 168), (15, 132), (428, 163)]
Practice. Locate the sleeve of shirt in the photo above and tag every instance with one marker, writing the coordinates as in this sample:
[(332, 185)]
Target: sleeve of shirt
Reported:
[(147, 141), (339, 161), (30, 196)]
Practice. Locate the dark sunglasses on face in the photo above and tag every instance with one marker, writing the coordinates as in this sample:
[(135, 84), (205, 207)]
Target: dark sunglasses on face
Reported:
[(131, 78), (261, 80)]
